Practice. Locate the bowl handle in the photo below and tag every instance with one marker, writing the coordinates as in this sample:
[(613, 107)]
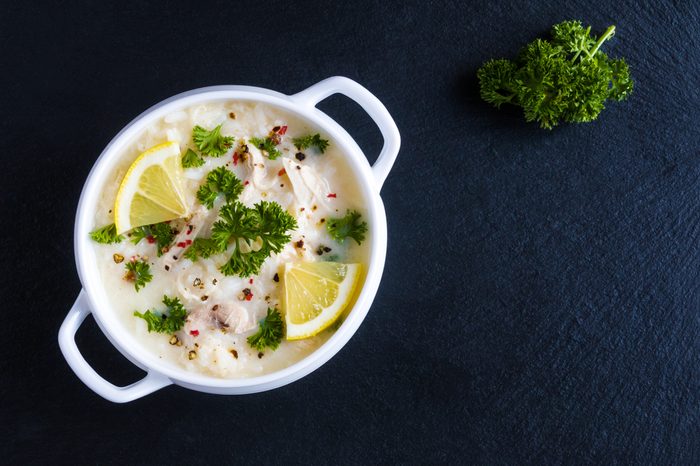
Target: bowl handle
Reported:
[(66, 340), (374, 108)]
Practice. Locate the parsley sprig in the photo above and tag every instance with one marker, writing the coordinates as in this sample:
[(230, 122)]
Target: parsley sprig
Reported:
[(311, 140), (211, 143), (191, 159), (566, 78), (163, 322), (347, 226), (270, 333), (219, 181), (162, 233), (267, 145), (106, 235), (139, 272), (253, 234)]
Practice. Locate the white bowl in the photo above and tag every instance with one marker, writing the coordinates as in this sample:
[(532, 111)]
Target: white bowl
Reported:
[(93, 298)]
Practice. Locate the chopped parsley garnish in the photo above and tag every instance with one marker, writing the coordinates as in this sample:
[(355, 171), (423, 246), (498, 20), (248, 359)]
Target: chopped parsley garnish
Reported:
[(350, 225), (211, 143), (139, 272), (191, 159), (219, 181), (160, 233), (270, 333), (106, 235), (165, 323), (565, 79), (268, 145), (253, 233), (310, 140)]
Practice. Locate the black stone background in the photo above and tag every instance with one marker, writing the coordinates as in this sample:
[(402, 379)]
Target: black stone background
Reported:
[(540, 299)]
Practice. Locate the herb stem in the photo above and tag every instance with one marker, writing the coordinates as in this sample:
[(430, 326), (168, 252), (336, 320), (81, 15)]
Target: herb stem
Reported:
[(608, 34)]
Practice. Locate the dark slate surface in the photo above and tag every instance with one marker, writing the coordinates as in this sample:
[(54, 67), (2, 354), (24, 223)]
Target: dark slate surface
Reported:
[(541, 293)]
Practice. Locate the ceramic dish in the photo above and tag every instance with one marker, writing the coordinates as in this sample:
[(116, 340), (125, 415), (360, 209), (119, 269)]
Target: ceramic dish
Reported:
[(93, 299)]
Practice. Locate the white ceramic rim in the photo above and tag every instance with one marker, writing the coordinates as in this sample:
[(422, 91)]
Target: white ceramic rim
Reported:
[(303, 105)]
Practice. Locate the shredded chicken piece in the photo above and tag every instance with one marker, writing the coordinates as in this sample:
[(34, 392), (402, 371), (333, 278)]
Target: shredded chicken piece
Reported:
[(231, 316), (200, 219), (310, 188), (256, 164), (234, 317)]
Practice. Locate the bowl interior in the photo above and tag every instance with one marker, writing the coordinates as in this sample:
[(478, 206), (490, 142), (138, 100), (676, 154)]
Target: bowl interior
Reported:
[(100, 301)]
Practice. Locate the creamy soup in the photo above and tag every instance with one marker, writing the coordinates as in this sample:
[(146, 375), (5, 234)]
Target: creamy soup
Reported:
[(224, 310)]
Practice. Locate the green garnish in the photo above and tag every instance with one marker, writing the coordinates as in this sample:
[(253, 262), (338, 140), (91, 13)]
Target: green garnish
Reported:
[(165, 323), (191, 159), (219, 181), (254, 233), (314, 140), (211, 143), (106, 235), (162, 233), (139, 272), (565, 79), (202, 247), (350, 225), (270, 333), (268, 145)]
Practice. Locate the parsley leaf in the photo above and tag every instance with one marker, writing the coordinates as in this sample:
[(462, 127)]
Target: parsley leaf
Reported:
[(202, 247), (314, 140), (191, 159), (270, 333), (220, 180), (267, 145), (162, 233), (565, 79), (211, 143), (106, 235), (254, 233), (350, 225), (139, 272), (165, 323)]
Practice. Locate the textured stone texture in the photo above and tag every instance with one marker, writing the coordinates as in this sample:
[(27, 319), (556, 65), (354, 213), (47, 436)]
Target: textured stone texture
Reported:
[(541, 297)]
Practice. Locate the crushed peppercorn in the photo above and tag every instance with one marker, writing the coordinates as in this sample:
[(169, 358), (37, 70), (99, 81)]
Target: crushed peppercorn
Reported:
[(276, 278), (300, 156), (234, 353), (192, 355)]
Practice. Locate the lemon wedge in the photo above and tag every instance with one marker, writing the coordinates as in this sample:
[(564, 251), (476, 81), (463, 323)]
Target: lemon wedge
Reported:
[(316, 294), (152, 190)]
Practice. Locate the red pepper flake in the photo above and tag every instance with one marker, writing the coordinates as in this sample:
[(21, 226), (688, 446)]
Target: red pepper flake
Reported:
[(194, 333), (188, 242), (282, 130), (235, 158), (247, 294), (189, 229), (250, 281), (332, 195), (246, 183), (249, 297), (181, 244), (150, 239), (281, 172)]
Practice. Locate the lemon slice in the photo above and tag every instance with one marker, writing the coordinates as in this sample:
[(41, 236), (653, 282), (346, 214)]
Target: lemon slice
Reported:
[(316, 294), (152, 190)]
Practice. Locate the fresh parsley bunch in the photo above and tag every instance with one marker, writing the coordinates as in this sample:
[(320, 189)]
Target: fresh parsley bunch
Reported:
[(566, 78), (253, 234)]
